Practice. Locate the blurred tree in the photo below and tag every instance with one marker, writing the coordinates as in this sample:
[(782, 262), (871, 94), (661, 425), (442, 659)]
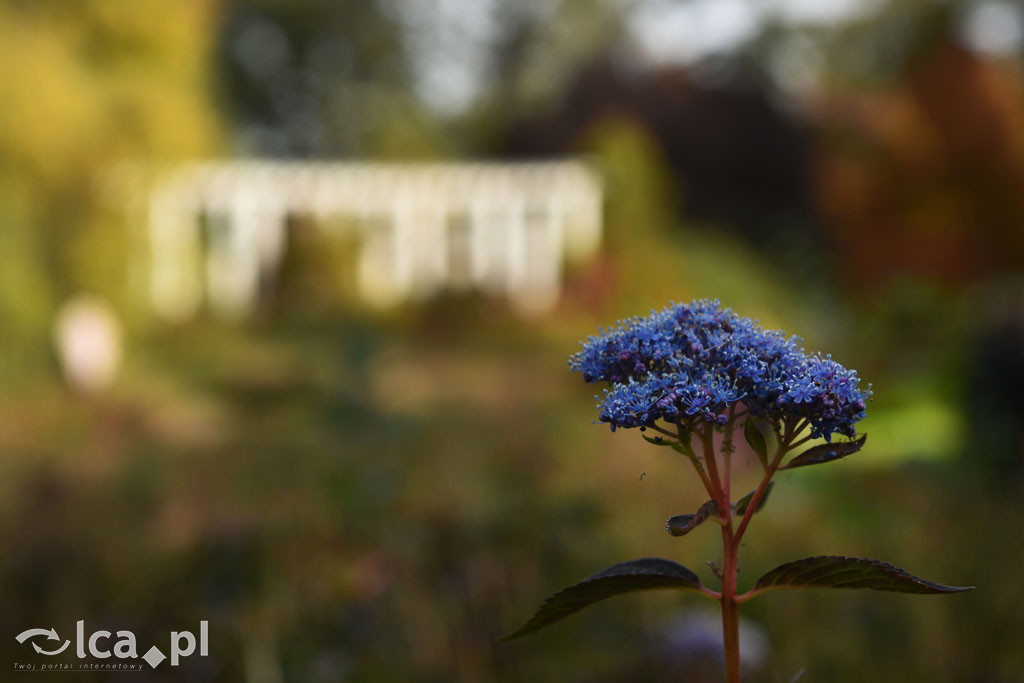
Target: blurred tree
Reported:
[(94, 84), (927, 176), (918, 156), (542, 45), (991, 399), (320, 78), (736, 158)]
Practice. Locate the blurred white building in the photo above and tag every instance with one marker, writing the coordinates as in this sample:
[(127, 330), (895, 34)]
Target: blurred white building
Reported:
[(503, 228)]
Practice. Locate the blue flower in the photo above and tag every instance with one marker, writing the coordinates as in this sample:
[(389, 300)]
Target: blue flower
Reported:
[(691, 363), (803, 392)]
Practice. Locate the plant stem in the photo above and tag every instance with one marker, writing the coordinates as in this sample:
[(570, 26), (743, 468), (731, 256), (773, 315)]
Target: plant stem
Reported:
[(773, 466), (730, 550), (661, 429), (719, 488), (730, 429), (721, 495), (730, 608), (684, 438), (716, 482)]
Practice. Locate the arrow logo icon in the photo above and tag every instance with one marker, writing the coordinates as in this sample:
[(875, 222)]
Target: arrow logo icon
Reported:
[(25, 635), (50, 635), (55, 652)]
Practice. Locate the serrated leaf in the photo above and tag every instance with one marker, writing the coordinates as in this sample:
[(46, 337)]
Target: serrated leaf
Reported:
[(756, 440), (742, 503), (680, 525), (826, 452), (833, 571), (648, 573)]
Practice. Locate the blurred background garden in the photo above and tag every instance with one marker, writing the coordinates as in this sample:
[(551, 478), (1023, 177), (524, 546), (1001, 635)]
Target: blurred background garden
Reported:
[(351, 489)]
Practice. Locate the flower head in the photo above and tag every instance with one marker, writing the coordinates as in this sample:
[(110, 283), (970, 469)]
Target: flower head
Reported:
[(690, 363)]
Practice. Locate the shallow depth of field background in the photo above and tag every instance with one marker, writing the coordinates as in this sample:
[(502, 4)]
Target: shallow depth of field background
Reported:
[(349, 494)]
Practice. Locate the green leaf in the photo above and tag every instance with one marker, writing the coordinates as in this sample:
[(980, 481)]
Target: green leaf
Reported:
[(756, 440), (830, 571), (685, 448), (741, 505), (649, 573), (680, 525), (826, 452)]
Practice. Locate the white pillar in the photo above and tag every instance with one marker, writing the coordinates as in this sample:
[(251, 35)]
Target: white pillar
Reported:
[(429, 241), (515, 241), (481, 234), (175, 245), (376, 268), (542, 251), (402, 245), (248, 243)]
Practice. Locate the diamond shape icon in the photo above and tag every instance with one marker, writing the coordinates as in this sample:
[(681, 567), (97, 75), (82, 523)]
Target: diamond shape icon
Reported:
[(154, 657)]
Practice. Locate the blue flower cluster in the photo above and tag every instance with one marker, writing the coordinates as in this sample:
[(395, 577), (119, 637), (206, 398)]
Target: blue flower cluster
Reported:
[(690, 363)]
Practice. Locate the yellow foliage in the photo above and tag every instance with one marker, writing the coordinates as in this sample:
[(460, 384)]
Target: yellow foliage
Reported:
[(85, 87)]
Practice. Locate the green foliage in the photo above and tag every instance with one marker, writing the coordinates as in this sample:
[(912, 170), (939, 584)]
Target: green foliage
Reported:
[(680, 525), (826, 452), (649, 573), (829, 571), (101, 90), (756, 440), (686, 449), (234, 461), (740, 506)]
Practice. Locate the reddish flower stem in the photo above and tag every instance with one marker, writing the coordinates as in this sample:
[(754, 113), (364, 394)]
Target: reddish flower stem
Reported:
[(730, 608), (731, 537)]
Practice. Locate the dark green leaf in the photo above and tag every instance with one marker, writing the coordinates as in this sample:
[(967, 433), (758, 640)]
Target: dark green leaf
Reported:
[(742, 503), (831, 571), (685, 448), (826, 452), (756, 440), (680, 525), (649, 573)]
